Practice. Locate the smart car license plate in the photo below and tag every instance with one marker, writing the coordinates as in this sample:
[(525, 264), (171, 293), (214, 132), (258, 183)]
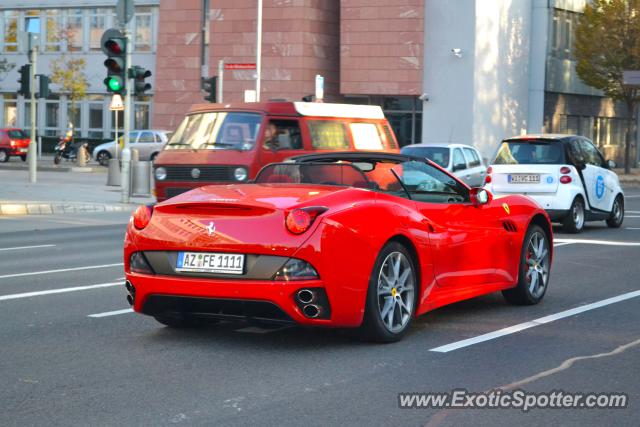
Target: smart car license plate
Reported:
[(524, 179), (207, 262)]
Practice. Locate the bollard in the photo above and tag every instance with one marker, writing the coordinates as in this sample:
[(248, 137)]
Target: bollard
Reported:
[(83, 156), (135, 155), (140, 178), (113, 173)]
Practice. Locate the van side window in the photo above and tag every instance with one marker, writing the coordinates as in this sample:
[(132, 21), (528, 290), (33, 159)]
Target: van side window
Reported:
[(365, 136), (282, 135), (328, 135), (390, 141)]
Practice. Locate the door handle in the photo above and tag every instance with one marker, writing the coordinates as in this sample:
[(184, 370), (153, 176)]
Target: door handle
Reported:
[(429, 225)]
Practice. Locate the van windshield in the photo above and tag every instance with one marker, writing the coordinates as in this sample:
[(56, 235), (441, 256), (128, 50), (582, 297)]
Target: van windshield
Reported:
[(216, 131)]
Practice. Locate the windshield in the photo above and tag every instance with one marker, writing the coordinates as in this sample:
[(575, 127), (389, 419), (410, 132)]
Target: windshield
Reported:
[(438, 155), (17, 134), (216, 131), (530, 153), (411, 179)]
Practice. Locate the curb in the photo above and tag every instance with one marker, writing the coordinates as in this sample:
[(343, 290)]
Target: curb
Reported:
[(52, 208), (80, 169)]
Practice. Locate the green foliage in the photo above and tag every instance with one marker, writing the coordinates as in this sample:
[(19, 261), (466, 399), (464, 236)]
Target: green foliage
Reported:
[(69, 74), (607, 42)]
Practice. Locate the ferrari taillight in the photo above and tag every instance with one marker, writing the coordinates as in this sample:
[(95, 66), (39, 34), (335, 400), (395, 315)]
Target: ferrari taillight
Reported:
[(142, 216), (299, 220)]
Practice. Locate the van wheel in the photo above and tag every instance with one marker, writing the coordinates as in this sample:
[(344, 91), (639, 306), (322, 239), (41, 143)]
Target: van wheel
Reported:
[(617, 213), (23, 157), (574, 222)]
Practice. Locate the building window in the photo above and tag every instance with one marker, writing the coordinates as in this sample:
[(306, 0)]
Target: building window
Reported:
[(562, 38), (97, 26), (603, 131), (10, 31), (74, 30), (143, 29), (96, 114), (54, 30), (52, 116), (74, 116), (141, 115), (10, 113)]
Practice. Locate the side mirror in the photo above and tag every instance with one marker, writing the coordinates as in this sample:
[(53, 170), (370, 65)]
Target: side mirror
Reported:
[(459, 166), (480, 196), (611, 164)]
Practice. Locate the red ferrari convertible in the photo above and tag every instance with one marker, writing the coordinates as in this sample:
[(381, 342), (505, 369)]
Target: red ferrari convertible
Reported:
[(356, 240)]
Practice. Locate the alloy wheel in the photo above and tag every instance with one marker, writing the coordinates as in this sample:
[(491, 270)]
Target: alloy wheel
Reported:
[(537, 262), (396, 292)]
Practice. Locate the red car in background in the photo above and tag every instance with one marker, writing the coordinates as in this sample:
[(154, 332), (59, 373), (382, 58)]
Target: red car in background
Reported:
[(356, 240), (13, 142)]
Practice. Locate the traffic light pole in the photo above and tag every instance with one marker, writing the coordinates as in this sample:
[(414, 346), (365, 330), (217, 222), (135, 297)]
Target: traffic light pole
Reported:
[(126, 152), (32, 154)]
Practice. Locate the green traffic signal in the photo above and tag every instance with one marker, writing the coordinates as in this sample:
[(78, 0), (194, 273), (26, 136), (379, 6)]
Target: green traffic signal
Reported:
[(115, 84)]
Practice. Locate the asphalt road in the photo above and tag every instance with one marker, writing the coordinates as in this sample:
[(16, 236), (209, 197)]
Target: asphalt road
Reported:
[(60, 366)]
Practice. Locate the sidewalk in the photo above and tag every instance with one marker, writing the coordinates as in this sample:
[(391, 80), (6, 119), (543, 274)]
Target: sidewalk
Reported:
[(56, 193), (46, 165), (631, 179)]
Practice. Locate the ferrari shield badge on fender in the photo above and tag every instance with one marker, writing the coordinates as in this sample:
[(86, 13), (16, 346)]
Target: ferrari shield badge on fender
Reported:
[(506, 208)]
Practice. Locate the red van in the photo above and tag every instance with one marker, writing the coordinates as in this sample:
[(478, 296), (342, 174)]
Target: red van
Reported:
[(226, 143), (13, 142)]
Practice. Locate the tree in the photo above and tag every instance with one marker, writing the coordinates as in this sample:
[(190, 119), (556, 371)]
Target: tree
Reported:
[(607, 42), (69, 74), (5, 66)]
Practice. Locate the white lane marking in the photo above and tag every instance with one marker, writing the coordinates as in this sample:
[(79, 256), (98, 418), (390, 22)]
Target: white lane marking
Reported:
[(632, 196), (555, 245), (35, 273), (536, 322), (598, 242), (632, 216), (632, 228), (25, 247), (112, 313), (638, 212), (59, 291)]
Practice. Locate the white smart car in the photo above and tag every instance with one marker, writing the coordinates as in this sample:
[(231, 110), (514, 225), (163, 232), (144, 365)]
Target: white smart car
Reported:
[(565, 174)]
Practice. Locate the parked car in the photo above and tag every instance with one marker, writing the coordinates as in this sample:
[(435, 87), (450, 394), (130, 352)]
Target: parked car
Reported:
[(13, 142), (230, 143), (464, 161), (364, 240), (148, 143), (565, 174)]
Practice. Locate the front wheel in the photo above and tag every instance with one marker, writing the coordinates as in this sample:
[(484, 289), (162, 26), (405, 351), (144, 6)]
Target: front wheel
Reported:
[(57, 159), (23, 157), (103, 158), (391, 297), (617, 213), (4, 156), (574, 222), (535, 265)]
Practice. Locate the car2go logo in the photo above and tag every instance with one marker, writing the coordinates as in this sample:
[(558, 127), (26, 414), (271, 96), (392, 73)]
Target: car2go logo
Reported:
[(599, 187)]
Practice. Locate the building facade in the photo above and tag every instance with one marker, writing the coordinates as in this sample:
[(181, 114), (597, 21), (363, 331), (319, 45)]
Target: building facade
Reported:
[(71, 30)]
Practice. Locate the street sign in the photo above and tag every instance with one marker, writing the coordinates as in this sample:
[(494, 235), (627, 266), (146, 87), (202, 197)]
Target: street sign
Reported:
[(116, 103), (240, 66), (124, 11), (631, 77), (250, 95)]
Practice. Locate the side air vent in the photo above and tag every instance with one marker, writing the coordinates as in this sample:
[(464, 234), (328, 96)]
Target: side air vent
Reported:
[(509, 225)]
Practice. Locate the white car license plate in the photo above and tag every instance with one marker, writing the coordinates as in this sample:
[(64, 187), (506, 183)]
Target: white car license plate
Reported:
[(23, 150), (207, 262), (524, 179)]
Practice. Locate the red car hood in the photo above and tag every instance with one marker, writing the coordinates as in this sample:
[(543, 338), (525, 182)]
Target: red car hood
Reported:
[(247, 218)]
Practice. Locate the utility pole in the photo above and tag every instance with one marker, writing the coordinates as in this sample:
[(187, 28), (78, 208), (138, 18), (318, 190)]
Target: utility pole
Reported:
[(258, 50), (220, 79), (33, 155), (126, 152)]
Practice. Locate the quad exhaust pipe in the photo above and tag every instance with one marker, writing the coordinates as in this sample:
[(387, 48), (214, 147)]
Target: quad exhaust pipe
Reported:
[(131, 296), (313, 303), (306, 296), (311, 310)]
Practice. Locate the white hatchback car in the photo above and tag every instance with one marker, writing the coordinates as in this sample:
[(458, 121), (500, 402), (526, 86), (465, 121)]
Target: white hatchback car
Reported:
[(565, 174), (464, 161)]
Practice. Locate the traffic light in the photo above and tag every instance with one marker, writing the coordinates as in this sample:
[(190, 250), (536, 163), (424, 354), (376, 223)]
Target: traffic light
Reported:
[(44, 86), (139, 74), (25, 80), (210, 86), (114, 46)]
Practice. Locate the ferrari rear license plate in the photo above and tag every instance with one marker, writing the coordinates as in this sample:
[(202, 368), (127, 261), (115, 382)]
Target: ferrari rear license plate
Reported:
[(208, 262), (524, 179)]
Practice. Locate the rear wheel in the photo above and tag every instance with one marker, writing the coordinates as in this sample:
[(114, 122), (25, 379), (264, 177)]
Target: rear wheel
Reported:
[(574, 222), (391, 297), (4, 156), (535, 264), (103, 158), (617, 213)]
